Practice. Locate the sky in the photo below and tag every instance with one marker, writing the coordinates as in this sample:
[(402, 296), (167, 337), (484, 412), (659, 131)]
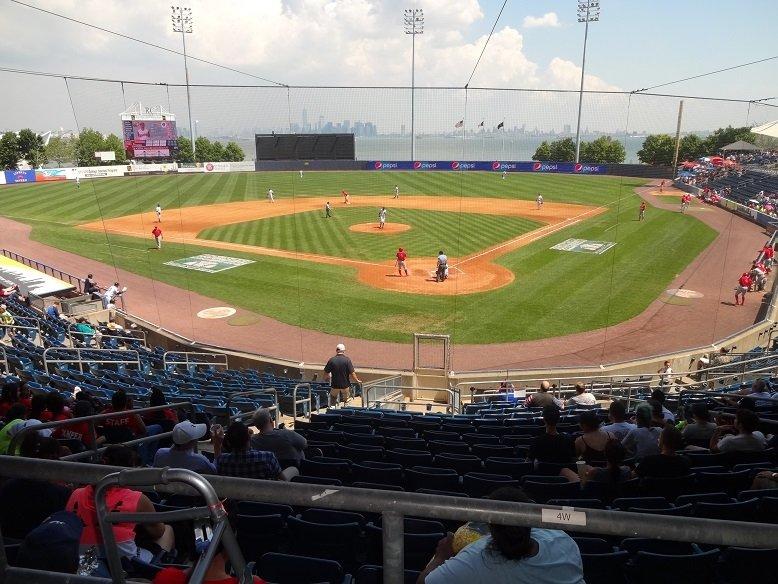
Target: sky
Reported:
[(535, 45)]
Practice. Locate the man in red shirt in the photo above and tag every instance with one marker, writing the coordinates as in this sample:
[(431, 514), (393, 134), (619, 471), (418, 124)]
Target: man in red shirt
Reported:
[(743, 286), (401, 257), (768, 253), (157, 233)]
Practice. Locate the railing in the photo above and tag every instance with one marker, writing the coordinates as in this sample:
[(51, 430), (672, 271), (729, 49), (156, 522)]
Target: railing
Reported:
[(296, 401), (395, 506), (33, 333), (452, 405), (72, 332), (74, 281), (380, 388), (174, 358), (95, 450), (276, 412), (124, 360)]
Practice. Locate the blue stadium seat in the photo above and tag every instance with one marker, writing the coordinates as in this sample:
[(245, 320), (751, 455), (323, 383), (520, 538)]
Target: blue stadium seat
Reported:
[(289, 569), (515, 467), (746, 566), (368, 574), (740, 511), (478, 485), (462, 463), (606, 568), (328, 468), (377, 472), (259, 534), (650, 568), (332, 517), (335, 542), (419, 547), (421, 477)]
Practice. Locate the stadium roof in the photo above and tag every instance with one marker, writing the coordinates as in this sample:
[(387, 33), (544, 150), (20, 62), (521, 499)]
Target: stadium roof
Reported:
[(741, 146), (768, 129)]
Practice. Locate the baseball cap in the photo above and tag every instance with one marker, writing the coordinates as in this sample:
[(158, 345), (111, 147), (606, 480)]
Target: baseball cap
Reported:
[(340, 347), (53, 545), (185, 432), (45, 432)]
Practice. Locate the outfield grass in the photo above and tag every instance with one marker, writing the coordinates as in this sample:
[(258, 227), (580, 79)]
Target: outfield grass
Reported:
[(554, 292), (459, 234)]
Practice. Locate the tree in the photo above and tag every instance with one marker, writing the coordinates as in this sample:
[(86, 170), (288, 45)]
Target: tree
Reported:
[(691, 147), (724, 136), (88, 142), (562, 150), (233, 152), (217, 152), (9, 151), (184, 153), (203, 150), (60, 150), (31, 147), (657, 149), (112, 142), (543, 152), (603, 150)]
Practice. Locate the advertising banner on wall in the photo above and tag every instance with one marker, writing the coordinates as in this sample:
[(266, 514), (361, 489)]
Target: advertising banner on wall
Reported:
[(19, 176), (148, 168), (216, 166), (97, 171), (485, 166), (2, 178), (50, 174)]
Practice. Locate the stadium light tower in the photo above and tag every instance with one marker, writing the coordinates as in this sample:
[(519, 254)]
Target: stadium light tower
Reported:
[(413, 22), (182, 22), (588, 11)]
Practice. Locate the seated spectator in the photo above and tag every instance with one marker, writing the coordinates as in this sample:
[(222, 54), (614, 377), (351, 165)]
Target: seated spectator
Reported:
[(287, 445), (56, 408), (8, 291), (667, 464), (38, 409), (509, 554), (581, 397), (542, 398), (166, 418), (9, 396), (619, 427), (182, 454), (53, 311), (659, 395), (551, 446), (80, 430), (590, 446), (26, 502), (129, 426), (742, 437), (644, 440), (657, 415), (765, 479), (53, 545), (6, 319), (240, 460), (25, 395), (85, 333), (613, 474), (215, 574), (82, 503), (757, 390), (702, 428)]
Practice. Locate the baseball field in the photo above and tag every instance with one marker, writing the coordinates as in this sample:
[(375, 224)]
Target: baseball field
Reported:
[(337, 274)]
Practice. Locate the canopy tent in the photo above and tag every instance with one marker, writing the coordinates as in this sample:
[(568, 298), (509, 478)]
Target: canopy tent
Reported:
[(768, 129), (740, 146)]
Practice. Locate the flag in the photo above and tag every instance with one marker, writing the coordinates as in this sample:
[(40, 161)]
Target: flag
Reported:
[(459, 124), (481, 125), (500, 125)]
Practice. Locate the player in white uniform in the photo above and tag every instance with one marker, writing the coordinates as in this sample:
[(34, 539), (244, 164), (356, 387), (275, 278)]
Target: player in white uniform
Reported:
[(301, 173), (382, 218), (158, 211), (78, 182), (504, 174), (539, 200), (396, 192), (271, 196)]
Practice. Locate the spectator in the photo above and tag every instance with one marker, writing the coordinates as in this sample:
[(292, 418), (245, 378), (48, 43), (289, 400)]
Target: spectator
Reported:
[(542, 398), (53, 312), (757, 390), (25, 395), (702, 428), (765, 479), (91, 287), (667, 464), (38, 407), (13, 417), (617, 413), (287, 445), (241, 460), (659, 396), (340, 370), (79, 430), (166, 418), (82, 503), (129, 426), (6, 319), (551, 446), (9, 396), (216, 573), (582, 397), (665, 371), (56, 408), (85, 333), (590, 446), (644, 440), (742, 437), (509, 554), (26, 502), (53, 545), (182, 454), (612, 475)]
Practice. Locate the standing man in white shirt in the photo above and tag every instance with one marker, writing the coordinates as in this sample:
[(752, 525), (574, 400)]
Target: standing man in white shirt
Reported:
[(158, 211), (396, 192), (665, 371), (113, 292), (271, 195)]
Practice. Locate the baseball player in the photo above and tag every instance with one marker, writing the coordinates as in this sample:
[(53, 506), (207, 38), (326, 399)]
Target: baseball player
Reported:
[(78, 182), (346, 197), (158, 211), (743, 286), (301, 173), (271, 197), (396, 192), (686, 199), (157, 233), (401, 257), (642, 213), (662, 187), (327, 210), (382, 218), (539, 200), (504, 174)]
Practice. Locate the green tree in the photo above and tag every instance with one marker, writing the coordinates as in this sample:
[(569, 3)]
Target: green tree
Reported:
[(31, 147), (562, 150), (603, 150), (233, 152), (203, 150), (60, 150), (657, 149), (112, 142), (724, 136), (184, 153), (9, 151), (88, 142), (543, 152), (691, 147), (217, 152)]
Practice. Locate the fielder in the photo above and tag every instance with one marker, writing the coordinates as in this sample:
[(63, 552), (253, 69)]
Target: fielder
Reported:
[(346, 197), (504, 174), (401, 257), (157, 233), (642, 212), (686, 198), (382, 218), (396, 192), (539, 200), (327, 210), (78, 182), (301, 173), (158, 211), (271, 197)]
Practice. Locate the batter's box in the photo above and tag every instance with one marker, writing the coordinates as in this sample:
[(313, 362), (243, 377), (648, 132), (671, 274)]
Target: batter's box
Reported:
[(584, 246), (209, 263)]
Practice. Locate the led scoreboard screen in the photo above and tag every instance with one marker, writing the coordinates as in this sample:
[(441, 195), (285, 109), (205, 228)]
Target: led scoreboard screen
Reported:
[(150, 138)]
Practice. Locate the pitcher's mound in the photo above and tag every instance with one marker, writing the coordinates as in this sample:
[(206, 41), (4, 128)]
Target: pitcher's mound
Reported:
[(373, 228)]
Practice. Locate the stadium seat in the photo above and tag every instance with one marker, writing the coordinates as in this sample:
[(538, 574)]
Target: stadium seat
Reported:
[(540, 492), (650, 568), (669, 488), (484, 451), (328, 541), (421, 477), (448, 446), (625, 503), (289, 569), (727, 482), (332, 517), (375, 575), (514, 467), (633, 545), (259, 534), (409, 458), (419, 547), (462, 463), (740, 511), (746, 566), (377, 472), (477, 484), (606, 568), (578, 503), (255, 508), (317, 481), (327, 468), (359, 453), (593, 545)]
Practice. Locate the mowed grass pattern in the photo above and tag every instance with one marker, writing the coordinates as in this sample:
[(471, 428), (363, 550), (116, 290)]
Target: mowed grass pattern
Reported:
[(309, 232)]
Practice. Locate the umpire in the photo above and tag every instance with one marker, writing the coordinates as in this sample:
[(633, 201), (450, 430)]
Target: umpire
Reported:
[(340, 371)]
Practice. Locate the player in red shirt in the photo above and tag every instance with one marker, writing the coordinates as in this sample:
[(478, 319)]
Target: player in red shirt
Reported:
[(743, 285), (768, 253), (401, 257), (157, 233), (662, 187)]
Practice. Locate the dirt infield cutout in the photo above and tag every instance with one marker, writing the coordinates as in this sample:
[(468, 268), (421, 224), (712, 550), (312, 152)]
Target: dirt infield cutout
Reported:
[(372, 227), (476, 272)]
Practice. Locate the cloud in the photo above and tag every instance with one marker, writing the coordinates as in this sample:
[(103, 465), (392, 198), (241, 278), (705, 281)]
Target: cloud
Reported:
[(563, 74), (548, 20)]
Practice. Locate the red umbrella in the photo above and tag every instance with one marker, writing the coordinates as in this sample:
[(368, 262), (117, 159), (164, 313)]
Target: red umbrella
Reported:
[(717, 161)]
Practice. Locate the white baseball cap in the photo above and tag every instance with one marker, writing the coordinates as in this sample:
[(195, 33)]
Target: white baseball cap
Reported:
[(45, 432), (340, 347), (185, 432)]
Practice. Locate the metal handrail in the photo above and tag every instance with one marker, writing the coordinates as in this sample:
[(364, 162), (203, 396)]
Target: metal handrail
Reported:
[(266, 391), (167, 361), (19, 436), (296, 401), (80, 361), (396, 505), (453, 405), (21, 327)]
